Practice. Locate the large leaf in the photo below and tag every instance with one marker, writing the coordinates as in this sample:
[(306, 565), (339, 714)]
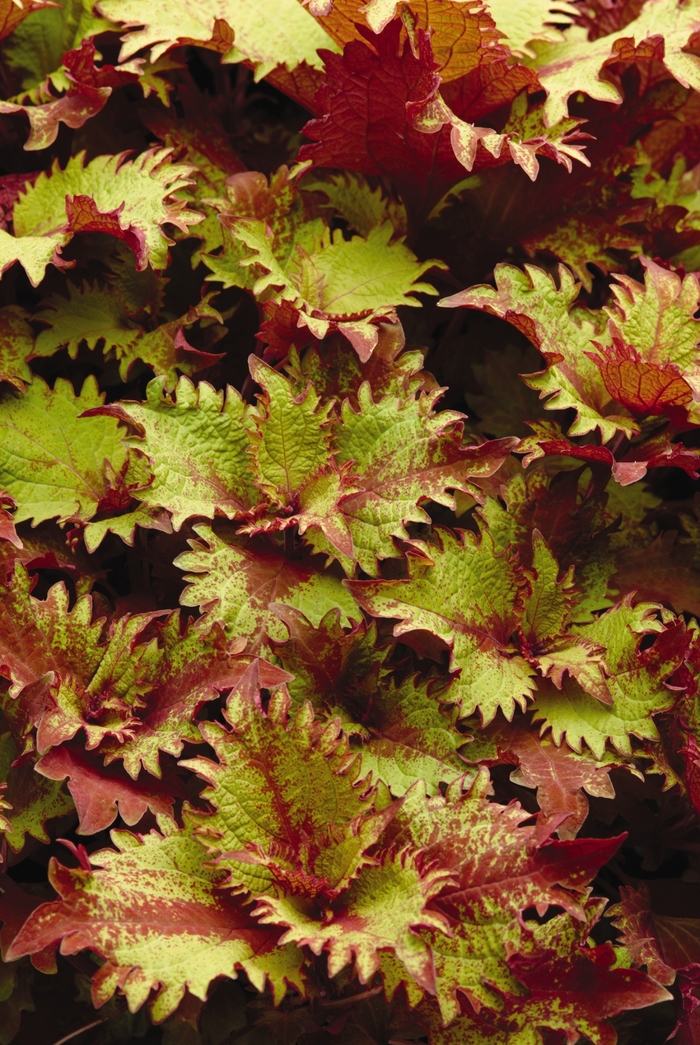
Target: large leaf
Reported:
[(290, 811), (470, 598), (287, 37), (147, 909), (196, 441), (237, 581), (52, 461)]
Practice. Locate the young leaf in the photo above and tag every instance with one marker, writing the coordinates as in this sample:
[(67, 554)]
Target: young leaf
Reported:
[(470, 598)]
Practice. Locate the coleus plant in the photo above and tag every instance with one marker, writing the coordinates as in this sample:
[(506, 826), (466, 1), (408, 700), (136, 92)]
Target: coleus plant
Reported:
[(349, 652)]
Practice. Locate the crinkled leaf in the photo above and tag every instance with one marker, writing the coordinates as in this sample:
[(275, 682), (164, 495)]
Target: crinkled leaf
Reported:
[(236, 581), (470, 598), (149, 909), (52, 461)]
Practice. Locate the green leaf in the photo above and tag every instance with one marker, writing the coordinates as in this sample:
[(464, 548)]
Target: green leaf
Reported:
[(402, 453), (287, 36), (547, 315), (196, 442), (470, 598), (31, 799), (577, 64), (16, 345), (636, 682), (236, 581), (132, 199), (36, 48), (290, 808), (156, 917), (291, 438), (52, 461)]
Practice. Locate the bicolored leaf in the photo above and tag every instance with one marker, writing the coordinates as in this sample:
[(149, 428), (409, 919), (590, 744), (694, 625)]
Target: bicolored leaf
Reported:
[(403, 453), (380, 911), (660, 32), (196, 441), (291, 814), (147, 908), (547, 315), (236, 580), (11, 14), (470, 598), (28, 799), (16, 345), (636, 682), (287, 37), (661, 943), (53, 462)]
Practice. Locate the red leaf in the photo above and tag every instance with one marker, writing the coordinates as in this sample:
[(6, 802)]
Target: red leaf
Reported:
[(84, 216), (640, 386), (101, 793)]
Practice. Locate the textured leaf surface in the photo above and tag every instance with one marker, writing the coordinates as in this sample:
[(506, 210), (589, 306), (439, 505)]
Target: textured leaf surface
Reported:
[(237, 581), (470, 598), (290, 35), (52, 461), (147, 909)]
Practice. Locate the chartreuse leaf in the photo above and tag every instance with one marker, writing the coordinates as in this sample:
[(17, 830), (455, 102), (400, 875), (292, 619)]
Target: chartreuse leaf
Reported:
[(90, 314), (402, 453), (287, 37), (16, 346), (155, 914), (290, 812), (290, 441), (378, 912), (471, 598), (521, 24), (636, 682), (237, 580), (411, 739), (31, 799), (363, 207), (544, 312), (52, 461), (578, 64), (130, 199), (196, 441)]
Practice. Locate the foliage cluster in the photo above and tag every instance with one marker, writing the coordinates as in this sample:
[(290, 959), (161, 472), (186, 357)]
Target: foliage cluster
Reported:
[(349, 521)]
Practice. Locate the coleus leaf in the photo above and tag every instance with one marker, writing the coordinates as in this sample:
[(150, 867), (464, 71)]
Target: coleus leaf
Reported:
[(88, 89), (574, 988), (101, 794), (636, 682), (290, 438), (232, 27), (470, 598), (16, 344), (11, 14), (411, 738), (291, 813), (379, 911), (660, 32), (129, 199), (562, 777), (460, 834), (145, 909), (336, 670), (55, 463), (196, 441), (28, 799), (543, 311), (196, 666), (662, 943), (8, 531), (402, 453), (345, 284), (95, 315), (236, 580)]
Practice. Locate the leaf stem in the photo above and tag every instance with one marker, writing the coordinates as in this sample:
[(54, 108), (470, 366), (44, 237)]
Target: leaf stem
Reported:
[(80, 1030)]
